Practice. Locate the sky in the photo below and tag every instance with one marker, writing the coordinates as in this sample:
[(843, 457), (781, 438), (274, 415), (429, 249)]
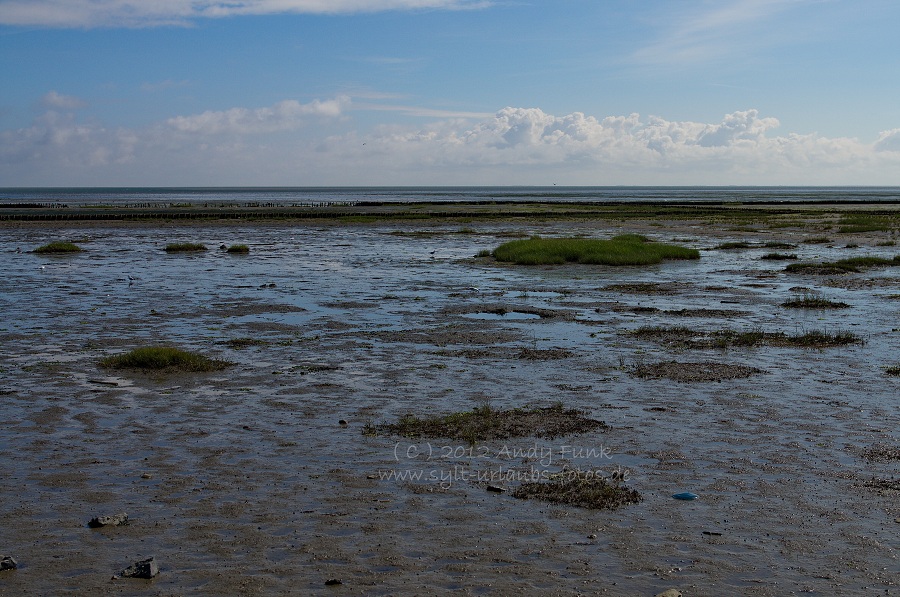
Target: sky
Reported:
[(449, 92)]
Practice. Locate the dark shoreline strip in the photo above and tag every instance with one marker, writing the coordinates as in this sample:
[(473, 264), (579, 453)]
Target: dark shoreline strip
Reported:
[(428, 210)]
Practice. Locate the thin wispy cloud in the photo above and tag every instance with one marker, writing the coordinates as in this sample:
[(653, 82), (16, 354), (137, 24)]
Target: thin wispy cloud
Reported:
[(58, 101), (163, 85), (155, 13), (419, 111), (695, 33)]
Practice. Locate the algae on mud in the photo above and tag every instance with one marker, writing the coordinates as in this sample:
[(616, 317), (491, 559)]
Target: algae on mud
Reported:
[(685, 337), (705, 371), (486, 423), (586, 489), (626, 249)]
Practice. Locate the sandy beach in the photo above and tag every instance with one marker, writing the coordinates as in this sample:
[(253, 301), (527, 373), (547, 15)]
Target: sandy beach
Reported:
[(245, 481)]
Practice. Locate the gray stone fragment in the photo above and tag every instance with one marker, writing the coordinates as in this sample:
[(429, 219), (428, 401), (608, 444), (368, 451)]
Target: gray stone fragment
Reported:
[(8, 563), (143, 569), (116, 520)]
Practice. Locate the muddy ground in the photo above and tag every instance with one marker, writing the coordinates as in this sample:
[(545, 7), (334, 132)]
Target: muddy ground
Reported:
[(245, 481)]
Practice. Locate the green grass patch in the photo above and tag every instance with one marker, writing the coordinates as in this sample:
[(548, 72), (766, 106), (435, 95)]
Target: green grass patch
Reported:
[(735, 245), (485, 423), (868, 261), (810, 301), (772, 244), (843, 266), (58, 248), (184, 247), (850, 224), (821, 269), (627, 249), (159, 358), (886, 243), (238, 249), (816, 240), (586, 489), (893, 370)]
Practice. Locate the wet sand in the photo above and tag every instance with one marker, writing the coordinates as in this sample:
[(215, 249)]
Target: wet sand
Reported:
[(245, 482)]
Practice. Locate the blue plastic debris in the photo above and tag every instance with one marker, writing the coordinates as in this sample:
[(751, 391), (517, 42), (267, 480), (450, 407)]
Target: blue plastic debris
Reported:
[(687, 495)]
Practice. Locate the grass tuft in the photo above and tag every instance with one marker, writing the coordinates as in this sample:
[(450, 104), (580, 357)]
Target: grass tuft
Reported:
[(240, 249), (843, 266), (735, 245), (627, 249), (58, 247), (486, 423), (587, 489), (163, 358), (810, 301), (184, 247), (779, 256)]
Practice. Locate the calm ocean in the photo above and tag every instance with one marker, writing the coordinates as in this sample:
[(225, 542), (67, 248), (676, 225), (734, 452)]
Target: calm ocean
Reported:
[(287, 196)]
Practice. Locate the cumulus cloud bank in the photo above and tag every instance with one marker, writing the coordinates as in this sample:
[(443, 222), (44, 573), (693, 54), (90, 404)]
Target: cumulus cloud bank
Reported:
[(149, 13), (273, 146)]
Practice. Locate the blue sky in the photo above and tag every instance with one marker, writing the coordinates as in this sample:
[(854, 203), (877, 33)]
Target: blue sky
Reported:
[(434, 92)]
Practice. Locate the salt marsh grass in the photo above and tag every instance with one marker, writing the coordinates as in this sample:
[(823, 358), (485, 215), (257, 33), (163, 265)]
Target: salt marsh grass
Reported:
[(58, 248), (628, 249), (184, 247), (163, 358)]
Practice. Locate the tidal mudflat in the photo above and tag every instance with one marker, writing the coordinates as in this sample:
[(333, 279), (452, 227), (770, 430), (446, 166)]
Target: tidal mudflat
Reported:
[(260, 478)]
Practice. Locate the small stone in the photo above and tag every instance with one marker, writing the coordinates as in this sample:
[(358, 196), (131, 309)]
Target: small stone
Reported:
[(592, 536), (332, 582), (116, 520), (143, 569), (342, 422), (496, 489), (687, 495), (8, 563), (146, 476), (670, 593)]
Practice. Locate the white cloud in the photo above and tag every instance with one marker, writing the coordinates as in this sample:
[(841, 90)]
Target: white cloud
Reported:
[(272, 146), (283, 116), (888, 141), (149, 13), (57, 101)]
